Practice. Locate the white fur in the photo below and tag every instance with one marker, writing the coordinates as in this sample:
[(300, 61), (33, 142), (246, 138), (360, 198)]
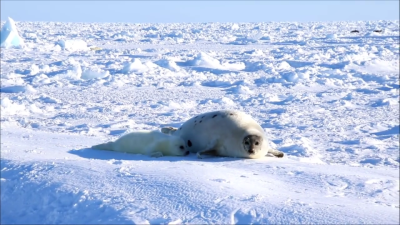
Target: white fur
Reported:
[(222, 131), (152, 143)]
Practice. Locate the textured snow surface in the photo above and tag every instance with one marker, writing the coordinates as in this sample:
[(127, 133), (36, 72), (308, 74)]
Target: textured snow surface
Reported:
[(327, 98)]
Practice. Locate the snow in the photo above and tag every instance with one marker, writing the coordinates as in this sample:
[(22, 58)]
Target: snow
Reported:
[(9, 35), (331, 36), (327, 98)]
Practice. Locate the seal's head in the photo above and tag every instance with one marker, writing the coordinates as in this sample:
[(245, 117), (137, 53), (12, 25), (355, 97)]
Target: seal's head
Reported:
[(178, 146), (252, 144)]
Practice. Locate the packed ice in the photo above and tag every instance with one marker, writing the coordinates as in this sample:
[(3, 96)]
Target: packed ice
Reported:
[(326, 96)]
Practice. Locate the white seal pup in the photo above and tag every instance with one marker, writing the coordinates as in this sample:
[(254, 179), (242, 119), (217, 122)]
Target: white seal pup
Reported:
[(224, 133), (151, 143)]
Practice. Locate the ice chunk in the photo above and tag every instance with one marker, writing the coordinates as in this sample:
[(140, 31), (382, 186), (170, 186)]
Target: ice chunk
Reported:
[(235, 26), (8, 107), (205, 60), (137, 67), (9, 35), (169, 64), (94, 73), (73, 45)]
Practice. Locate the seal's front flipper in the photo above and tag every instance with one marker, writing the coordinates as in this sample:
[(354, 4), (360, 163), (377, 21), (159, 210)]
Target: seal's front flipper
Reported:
[(211, 152), (156, 154), (210, 149), (168, 130), (276, 153)]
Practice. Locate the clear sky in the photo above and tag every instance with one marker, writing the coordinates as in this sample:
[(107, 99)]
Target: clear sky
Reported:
[(198, 11)]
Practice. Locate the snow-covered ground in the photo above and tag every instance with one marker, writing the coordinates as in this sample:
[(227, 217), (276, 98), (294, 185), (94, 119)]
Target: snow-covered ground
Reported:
[(326, 97)]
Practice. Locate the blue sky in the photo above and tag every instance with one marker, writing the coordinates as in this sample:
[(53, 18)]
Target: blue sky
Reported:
[(198, 11)]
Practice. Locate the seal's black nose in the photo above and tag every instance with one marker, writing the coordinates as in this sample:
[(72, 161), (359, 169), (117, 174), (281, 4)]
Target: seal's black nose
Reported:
[(187, 153), (251, 151)]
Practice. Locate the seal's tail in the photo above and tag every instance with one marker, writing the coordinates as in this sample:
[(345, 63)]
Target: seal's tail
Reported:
[(106, 146)]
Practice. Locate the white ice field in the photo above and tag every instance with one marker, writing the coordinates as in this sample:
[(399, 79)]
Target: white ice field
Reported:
[(326, 97)]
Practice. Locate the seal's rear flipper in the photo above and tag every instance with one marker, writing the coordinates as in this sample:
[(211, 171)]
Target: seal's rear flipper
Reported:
[(168, 130), (276, 153), (156, 154), (206, 152)]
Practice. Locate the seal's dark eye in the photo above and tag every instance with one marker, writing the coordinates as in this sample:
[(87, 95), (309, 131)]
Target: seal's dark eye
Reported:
[(246, 143), (256, 143), (181, 147)]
